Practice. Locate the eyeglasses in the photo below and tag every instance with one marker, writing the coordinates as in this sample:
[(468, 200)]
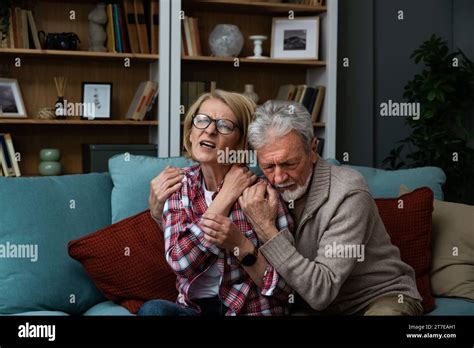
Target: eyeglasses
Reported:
[(223, 126)]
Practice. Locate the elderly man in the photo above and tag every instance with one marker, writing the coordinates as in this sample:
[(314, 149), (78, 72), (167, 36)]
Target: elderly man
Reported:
[(340, 260)]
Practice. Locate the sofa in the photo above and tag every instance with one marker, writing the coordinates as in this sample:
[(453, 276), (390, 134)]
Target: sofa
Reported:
[(39, 216)]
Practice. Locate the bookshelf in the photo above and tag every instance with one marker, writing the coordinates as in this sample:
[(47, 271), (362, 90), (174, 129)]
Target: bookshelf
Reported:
[(35, 77), (267, 75)]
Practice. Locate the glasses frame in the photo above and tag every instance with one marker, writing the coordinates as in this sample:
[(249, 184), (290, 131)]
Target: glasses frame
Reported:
[(212, 120)]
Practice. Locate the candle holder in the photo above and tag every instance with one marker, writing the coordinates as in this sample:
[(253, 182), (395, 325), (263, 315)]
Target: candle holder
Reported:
[(257, 46)]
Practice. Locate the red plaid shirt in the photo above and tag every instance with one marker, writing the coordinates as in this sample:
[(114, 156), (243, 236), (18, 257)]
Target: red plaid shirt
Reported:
[(190, 255)]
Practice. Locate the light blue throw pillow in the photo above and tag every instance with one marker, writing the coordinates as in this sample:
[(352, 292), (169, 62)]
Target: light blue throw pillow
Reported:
[(39, 216), (386, 183), (131, 176)]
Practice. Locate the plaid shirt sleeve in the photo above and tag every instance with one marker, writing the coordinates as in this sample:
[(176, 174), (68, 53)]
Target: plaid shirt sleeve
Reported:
[(186, 250), (273, 284)]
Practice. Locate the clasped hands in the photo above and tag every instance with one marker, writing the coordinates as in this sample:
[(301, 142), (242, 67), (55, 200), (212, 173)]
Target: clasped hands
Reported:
[(260, 206)]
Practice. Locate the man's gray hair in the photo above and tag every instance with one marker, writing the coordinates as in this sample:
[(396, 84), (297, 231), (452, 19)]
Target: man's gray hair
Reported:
[(277, 118)]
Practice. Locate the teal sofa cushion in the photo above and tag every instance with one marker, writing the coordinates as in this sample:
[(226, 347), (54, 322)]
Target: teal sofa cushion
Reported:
[(386, 183), (107, 308), (452, 306), (38, 217), (131, 176)]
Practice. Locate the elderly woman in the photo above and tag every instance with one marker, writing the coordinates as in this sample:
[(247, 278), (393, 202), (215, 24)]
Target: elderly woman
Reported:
[(209, 243)]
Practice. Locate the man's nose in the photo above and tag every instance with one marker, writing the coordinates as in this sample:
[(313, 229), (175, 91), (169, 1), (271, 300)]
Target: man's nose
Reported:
[(280, 176)]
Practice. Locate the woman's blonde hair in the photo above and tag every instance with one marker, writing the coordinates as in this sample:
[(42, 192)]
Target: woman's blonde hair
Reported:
[(242, 107)]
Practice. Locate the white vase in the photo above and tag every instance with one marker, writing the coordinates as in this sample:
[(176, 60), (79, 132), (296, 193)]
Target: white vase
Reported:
[(250, 93)]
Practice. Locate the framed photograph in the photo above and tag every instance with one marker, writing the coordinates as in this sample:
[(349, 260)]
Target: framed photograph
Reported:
[(11, 101), (295, 38), (96, 100)]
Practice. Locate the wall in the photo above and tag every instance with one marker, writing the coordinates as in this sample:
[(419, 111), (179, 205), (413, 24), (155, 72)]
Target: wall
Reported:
[(378, 46)]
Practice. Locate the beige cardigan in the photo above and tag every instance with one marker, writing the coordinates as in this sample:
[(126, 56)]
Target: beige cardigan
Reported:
[(339, 226)]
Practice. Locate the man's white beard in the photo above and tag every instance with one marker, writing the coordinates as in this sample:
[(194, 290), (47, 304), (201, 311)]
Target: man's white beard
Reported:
[(297, 193)]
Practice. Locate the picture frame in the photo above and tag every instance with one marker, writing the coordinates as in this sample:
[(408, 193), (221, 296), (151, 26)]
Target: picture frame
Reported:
[(11, 100), (295, 38), (96, 100)]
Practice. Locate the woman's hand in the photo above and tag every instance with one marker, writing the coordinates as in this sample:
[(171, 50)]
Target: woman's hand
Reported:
[(237, 179), (162, 187), (222, 232)]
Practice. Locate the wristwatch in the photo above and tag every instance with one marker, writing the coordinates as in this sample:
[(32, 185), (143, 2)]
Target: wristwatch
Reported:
[(250, 259)]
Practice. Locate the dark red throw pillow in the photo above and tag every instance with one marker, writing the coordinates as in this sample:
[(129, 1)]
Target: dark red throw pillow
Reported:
[(408, 220), (126, 261)]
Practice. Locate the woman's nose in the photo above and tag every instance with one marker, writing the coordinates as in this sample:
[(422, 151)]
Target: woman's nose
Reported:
[(211, 129)]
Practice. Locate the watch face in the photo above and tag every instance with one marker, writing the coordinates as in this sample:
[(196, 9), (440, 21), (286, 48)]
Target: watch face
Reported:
[(249, 260)]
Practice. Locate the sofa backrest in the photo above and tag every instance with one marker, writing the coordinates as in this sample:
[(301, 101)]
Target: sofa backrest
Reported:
[(38, 217), (386, 183)]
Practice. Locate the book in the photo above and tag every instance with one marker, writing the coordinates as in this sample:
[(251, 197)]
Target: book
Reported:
[(140, 21), (320, 146), (197, 38), (7, 165), (123, 29), (187, 32), (140, 103), (11, 152), (18, 27), (303, 92), (34, 30), (24, 28), (117, 34), (149, 110), (130, 20), (285, 92), (299, 91), (308, 97), (321, 91), (11, 31), (154, 26), (110, 30)]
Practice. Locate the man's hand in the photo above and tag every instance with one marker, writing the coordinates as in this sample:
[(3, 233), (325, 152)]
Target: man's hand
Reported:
[(237, 179), (222, 232), (260, 205), (162, 187)]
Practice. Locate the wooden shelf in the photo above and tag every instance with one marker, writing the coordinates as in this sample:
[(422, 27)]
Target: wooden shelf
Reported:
[(25, 52), (30, 121), (269, 61), (248, 6)]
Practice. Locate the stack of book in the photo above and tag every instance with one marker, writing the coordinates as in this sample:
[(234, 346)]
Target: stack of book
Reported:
[(143, 101), (133, 27), (8, 161), (22, 30), (190, 42), (192, 90), (311, 98)]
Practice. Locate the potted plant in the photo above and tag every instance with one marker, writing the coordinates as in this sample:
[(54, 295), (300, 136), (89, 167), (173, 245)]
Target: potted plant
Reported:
[(445, 91), (5, 7)]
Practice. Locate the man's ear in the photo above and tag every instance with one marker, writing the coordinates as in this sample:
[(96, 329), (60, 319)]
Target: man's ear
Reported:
[(314, 153)]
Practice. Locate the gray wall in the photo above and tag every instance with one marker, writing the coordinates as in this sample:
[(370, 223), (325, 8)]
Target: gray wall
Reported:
[(379, 46)]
